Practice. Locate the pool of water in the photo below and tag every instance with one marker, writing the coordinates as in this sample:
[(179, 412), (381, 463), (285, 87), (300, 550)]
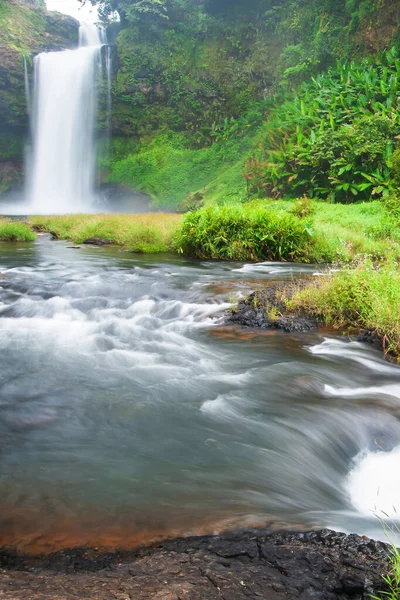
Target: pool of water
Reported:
[(130, 412)]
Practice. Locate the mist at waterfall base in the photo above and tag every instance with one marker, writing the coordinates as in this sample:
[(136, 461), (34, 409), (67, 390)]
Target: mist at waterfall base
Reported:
[(129, 412), (61, 162)]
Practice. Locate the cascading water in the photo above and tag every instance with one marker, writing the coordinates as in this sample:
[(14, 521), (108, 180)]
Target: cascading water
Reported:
[(62, 165)]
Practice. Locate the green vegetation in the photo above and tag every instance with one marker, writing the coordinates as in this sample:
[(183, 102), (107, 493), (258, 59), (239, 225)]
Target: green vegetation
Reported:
[(249, 232), (20, 26), (336, 138), (166, 169), (208, 91), (292, 230), (365, 297), (14, 231), (139, 233), (392, 580), (301, 230), (26, 28)]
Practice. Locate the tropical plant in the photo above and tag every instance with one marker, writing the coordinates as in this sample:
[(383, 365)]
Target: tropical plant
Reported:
[(335, 138)]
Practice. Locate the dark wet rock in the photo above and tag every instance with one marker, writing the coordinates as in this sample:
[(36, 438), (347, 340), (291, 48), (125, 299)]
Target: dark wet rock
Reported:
[(97, 241), (369, 336), (234, 566), (266, 309)]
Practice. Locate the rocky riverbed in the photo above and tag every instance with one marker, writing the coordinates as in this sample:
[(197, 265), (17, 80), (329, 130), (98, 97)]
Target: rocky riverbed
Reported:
[(255, 564)]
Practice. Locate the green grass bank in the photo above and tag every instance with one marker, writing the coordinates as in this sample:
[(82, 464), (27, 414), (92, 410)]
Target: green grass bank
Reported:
[(150, 232), (14, 231), (362, 298), (296, 230)]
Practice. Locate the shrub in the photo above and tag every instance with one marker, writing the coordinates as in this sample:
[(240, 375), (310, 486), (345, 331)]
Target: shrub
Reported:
[(13, 231), (243, 232), (304, 207), (335, 138)]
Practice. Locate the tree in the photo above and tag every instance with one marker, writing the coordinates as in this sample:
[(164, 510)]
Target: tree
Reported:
[(132, 10)]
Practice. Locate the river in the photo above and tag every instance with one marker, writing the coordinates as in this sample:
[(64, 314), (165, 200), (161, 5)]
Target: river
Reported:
[(130, 412)]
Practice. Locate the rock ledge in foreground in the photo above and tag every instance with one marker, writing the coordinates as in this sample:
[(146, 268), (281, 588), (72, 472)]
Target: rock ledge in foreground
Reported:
[(322, 565)]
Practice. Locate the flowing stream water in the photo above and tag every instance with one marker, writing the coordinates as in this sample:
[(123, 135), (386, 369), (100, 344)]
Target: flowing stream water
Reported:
[(129, 411)]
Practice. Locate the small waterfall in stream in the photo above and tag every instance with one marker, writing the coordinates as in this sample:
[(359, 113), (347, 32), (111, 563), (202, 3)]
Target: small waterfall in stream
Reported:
[(61, 173)]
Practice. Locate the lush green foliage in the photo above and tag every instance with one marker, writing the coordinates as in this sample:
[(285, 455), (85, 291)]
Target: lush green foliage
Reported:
[(20, 26), (329, 232), (361, 298), (317, 231), (336, 137), (243, 232), (168, 170), (188, 65), (150, 233), (216, 71), (15, 231)]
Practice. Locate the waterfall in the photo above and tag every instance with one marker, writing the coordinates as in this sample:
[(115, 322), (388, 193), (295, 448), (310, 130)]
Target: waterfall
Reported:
[(62, 164)]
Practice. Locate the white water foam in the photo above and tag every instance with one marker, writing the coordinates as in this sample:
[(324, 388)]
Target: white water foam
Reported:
[(354, 351), (374, 484), (270, 268), (347, 392)]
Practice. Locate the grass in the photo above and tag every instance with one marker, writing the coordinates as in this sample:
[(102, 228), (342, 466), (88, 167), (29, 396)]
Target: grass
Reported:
[(365, 297), (150, 232), (243, 232), (15, 231), (292, 230), (392, 579), (168, 170), (261, 230)]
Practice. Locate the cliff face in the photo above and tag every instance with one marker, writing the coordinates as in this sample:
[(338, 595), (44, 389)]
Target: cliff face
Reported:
[(26, 28)]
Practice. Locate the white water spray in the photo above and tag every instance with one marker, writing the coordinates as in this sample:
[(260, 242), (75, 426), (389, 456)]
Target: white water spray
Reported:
[(62, 173), (374, 484)]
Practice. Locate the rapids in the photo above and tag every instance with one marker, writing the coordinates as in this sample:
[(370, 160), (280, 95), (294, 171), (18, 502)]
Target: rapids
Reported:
[(129, 411)]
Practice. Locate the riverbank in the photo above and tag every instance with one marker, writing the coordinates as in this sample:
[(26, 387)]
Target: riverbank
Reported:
[(301, 231), (366, 234), (254, 564), (362, 301), (143, 233)]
